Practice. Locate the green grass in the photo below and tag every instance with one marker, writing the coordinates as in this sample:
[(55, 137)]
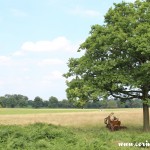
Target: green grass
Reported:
[(14, 111), (42, 136), (49, 137)]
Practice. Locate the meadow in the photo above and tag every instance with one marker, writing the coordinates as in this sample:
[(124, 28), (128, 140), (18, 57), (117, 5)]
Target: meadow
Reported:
[(69, 129)]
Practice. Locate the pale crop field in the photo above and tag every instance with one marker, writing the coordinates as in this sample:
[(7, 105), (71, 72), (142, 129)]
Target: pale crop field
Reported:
[(69, 117)]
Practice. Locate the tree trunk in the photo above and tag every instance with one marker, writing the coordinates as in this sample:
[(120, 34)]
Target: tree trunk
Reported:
[(146, 117), (146, 126)]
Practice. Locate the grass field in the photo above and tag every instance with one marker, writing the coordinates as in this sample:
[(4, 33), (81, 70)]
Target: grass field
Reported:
[(69, 129), (68, 117), (13, 111)]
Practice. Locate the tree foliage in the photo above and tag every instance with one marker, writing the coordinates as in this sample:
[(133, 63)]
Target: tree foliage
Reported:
[(38, 102), (11, 101), (117, 58), (53, 102)]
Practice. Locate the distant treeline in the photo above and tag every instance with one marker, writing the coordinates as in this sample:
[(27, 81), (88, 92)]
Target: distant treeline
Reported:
[(20, 101)]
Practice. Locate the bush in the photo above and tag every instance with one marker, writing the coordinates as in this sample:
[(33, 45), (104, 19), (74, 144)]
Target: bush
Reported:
[(46, 136)]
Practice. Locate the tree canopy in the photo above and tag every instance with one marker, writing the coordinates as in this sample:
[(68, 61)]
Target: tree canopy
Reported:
[(116, 58)]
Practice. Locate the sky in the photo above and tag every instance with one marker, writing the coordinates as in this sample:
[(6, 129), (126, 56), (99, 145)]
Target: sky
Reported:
[(37, 38)]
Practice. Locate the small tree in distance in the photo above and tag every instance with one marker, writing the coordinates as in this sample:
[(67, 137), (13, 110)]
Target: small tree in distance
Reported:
[(53, 102), (38, 102)]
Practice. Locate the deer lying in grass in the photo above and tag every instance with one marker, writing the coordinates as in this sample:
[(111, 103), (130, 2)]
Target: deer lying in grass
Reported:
[(113, 123)]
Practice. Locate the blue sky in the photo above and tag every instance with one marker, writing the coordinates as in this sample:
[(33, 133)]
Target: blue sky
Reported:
[(37, 37)]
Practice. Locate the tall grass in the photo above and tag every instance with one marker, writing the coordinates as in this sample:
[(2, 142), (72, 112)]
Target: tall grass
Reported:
[(68, 117), (50, 137)]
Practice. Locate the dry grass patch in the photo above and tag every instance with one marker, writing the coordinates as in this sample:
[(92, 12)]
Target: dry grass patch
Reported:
[(77, 119)]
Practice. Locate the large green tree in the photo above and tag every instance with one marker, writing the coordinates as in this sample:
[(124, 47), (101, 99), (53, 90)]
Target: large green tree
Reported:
[(116, 58)]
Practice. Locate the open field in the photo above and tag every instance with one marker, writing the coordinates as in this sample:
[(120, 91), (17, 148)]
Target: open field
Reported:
[(68, 117), (69, 129), (24, 111)]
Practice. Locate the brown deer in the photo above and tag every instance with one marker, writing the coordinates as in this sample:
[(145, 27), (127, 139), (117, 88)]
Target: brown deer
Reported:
[(112, 122)]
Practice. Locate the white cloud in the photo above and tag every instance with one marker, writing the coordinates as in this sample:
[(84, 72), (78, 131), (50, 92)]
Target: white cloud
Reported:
[(37, 64), (25, 69), (47, 62), (5, 60), (54, 75), (52, 78), (1, 82), (57, 44), (18, 53), (85, 12)]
